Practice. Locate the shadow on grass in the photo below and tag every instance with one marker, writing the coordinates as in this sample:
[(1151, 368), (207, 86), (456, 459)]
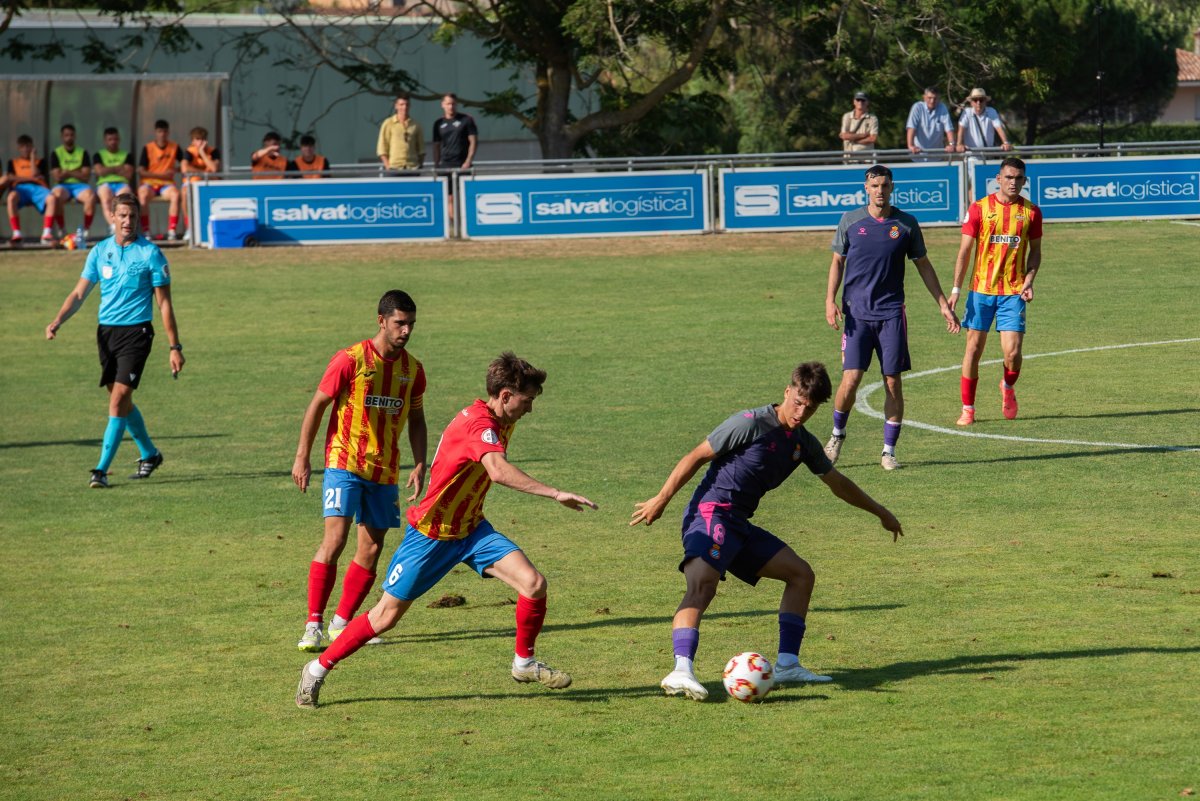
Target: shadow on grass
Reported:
[(1147, 413), (716, 694), (393, 638), (874, 678), (1092, 452), (95, 443)]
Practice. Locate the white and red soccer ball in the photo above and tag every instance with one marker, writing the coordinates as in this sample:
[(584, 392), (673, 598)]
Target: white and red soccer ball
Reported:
[(749, 677)]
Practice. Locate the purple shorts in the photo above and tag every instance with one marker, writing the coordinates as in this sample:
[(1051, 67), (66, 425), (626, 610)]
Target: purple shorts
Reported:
[(888, 338), (727, 542)]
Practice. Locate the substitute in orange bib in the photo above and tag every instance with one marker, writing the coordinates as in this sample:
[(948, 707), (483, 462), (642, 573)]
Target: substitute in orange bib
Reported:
[(309, 164), (29, 183), (159, 163), (375, 387), (449, 528), (1002, 249), (267, 161)]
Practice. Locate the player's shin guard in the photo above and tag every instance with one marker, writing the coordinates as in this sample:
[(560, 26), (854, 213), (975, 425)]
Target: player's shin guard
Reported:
[(320, 585), (1011, 376), (355, 587), (839, 421), (531, 614), (137, 430), (354, 637), (791, 636), (891, 435), (113, 435)]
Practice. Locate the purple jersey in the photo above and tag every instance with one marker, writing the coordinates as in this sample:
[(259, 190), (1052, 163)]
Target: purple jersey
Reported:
[(875, 249), (755, 454)]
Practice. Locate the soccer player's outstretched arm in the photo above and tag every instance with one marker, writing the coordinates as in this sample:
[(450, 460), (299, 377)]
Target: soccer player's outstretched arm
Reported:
[(649, 511), (71, 305), (852, 494), (929, 276), (302, 468), (505, 473), (418, 441)]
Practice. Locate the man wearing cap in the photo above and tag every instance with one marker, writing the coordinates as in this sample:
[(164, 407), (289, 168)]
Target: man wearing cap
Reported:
[(860, 128), (980, 125)]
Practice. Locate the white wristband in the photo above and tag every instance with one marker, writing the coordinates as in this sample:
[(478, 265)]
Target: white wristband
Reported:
[(955, 291)]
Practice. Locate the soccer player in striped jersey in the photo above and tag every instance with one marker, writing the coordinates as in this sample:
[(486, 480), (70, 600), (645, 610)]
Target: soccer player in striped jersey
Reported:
[(374, 387), (448, 528), (1002, 249), (751, 453)]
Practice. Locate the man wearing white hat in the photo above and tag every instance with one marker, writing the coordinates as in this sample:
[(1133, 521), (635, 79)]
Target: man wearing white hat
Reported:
[(980, 125)]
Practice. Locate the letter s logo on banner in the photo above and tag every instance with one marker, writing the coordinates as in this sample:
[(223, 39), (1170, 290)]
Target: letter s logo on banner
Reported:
[(498, 208), (759, 200)]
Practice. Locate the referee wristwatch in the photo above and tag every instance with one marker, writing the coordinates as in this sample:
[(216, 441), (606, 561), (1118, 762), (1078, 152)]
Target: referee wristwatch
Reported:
[(177, 347)]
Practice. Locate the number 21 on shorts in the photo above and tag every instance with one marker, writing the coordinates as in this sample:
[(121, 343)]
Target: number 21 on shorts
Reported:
[(333, 498)]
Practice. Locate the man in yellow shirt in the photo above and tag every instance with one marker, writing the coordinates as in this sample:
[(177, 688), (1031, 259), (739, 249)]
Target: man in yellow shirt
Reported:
[(401, 141)]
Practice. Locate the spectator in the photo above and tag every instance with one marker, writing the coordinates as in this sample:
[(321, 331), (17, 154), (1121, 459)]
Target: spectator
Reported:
[(860, 128), (29, 181), (980, 125), (309, 164), (159, 162), (454, 137), (928, 124), (71, 173), (267, 161), (114, 173), (401, 143)]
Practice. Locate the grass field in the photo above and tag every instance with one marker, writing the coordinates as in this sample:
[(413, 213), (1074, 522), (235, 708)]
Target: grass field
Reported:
[(1035, 635)]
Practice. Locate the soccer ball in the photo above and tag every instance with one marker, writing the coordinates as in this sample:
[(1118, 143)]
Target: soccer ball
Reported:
[(68, 242), (749, 677)]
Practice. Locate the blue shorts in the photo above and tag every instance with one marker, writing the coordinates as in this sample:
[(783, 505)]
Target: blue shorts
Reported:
[(345, 494), (74, 190), (420, 561), (727, 542), (1007, 310), (116, 187), (32, 195), (157, 189), (887, 338)]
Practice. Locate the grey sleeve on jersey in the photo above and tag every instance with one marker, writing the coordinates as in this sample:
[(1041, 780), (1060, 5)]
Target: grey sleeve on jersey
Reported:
[(916, 242), (739, 429), (841, 237), (814, 454)]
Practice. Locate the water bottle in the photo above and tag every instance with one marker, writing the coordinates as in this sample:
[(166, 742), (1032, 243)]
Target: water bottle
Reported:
[(81, 238)]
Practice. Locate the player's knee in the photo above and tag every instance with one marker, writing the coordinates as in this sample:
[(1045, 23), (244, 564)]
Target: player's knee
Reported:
[(802, 574), (535, 585)]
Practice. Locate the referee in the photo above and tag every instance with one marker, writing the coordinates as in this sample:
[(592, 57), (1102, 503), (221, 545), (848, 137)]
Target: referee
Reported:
[(133, 276)]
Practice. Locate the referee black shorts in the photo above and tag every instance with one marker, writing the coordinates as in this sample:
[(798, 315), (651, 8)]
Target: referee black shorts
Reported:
[(123, 352)]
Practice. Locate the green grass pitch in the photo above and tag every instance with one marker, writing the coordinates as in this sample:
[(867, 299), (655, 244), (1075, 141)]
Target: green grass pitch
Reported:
[(1035, 635)]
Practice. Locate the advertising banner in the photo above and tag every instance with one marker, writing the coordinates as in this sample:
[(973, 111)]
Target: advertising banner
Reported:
[(800, 198), (589, 204), (296, 211), (1106, 189)]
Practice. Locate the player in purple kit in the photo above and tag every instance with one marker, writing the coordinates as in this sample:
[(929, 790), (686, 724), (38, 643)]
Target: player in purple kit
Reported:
[(869, 249), (751, 453)]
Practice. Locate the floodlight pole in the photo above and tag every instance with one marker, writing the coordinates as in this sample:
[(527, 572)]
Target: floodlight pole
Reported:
[(1097, 10)]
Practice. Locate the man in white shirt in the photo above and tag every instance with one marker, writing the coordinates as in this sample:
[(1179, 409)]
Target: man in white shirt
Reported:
[(980, 126)]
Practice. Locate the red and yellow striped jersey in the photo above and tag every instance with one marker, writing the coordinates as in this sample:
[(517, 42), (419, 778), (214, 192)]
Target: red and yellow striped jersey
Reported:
[(458, 481), (1002, 234), (372, 397)]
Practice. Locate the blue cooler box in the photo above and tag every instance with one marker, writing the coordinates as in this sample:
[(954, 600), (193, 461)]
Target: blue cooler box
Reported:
[(231, 231)]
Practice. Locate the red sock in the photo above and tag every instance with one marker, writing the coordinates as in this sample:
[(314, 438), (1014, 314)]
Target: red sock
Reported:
[(60, 219), (172, 222), (146, 224), (531, 614), (967, 387), (49, 221), (320, 584), (355, 587), (1010, 377), (87, 220), (15, 224), (354, 637)]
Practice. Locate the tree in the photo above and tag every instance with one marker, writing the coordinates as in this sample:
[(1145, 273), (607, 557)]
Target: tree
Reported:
[(568, 45)]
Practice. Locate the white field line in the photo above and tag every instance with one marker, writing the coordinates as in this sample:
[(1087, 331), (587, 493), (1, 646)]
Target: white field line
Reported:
[(864, 406)]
